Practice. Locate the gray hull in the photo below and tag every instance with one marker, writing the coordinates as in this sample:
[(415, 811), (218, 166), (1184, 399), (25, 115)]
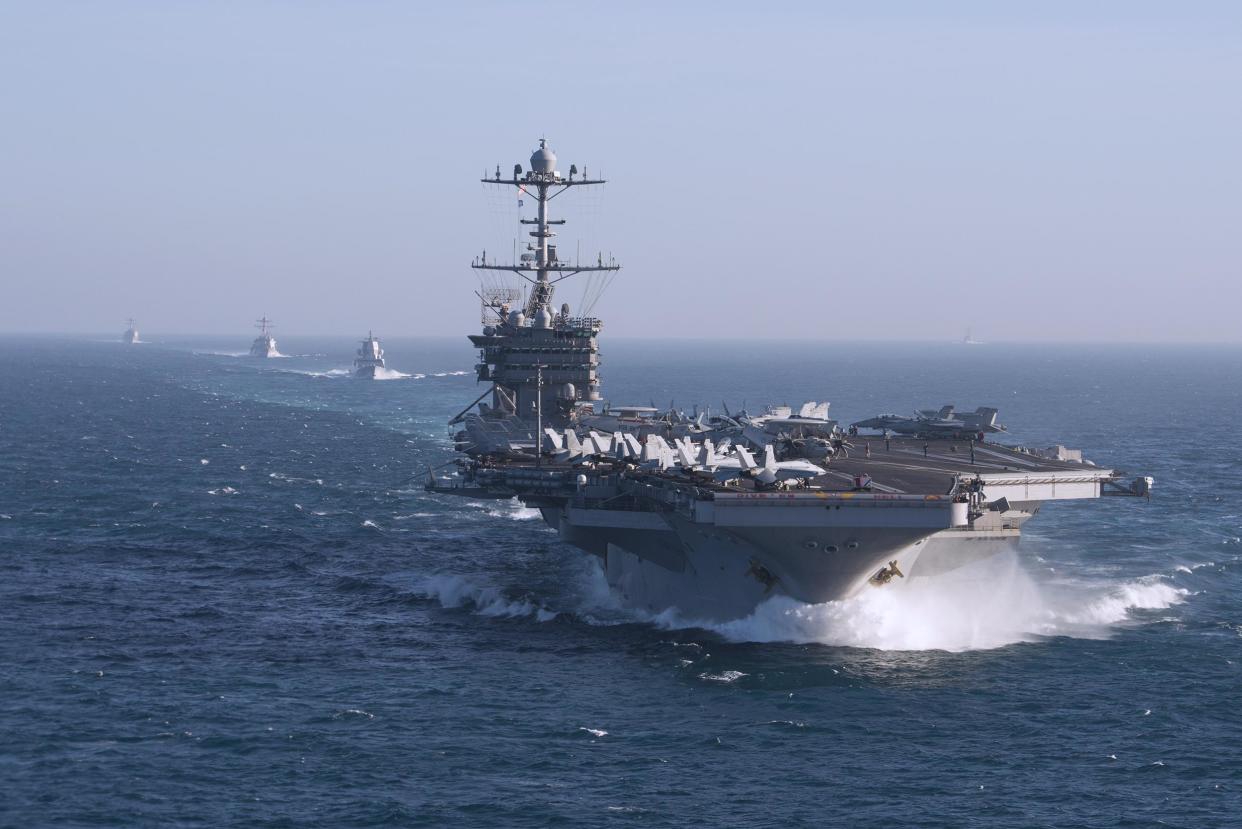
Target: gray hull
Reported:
[(949, 550), (987, 536), (723, 569)]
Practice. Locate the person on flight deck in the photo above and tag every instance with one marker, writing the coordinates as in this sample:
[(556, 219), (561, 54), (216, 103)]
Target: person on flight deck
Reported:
[(867, 448)]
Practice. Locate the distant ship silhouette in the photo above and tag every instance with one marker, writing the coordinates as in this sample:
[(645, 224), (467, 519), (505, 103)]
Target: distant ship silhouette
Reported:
[(969, 340)]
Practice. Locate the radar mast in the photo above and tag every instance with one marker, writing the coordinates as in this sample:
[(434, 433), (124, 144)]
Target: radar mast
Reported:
[(543, 365), (543, 182)]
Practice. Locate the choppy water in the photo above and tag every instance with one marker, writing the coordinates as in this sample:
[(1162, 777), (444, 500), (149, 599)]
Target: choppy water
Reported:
[(226, 601)]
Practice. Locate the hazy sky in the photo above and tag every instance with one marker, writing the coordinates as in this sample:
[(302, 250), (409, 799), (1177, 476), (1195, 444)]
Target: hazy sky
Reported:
[(882, 171)]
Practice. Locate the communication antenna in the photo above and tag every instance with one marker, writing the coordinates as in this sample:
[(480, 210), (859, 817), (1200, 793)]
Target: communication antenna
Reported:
[(544, 268)]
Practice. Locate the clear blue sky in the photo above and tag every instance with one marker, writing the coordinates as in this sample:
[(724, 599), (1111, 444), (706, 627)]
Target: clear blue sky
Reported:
[(882, 171)]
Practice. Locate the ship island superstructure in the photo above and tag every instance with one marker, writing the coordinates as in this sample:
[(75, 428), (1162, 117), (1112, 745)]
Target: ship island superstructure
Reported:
[(264, 345), (714, 514), (131, 332), (369, 359), (542, 362)]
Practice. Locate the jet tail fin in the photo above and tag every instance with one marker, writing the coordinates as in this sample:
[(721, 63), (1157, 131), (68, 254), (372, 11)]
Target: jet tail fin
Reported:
[(686, 456), (554, 439)]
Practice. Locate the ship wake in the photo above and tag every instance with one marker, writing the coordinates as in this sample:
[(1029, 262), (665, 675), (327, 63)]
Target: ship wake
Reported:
[(986, 605), (452, 591)]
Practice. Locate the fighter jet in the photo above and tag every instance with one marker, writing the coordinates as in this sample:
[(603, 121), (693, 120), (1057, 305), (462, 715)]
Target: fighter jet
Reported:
[(936, 423), (779, 425)]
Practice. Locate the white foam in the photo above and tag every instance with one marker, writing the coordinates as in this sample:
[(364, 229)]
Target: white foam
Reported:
[(1113, 604), (725, 677), (389, 374), (280, 476), (594, 732), (227, 490), (454, 591), (514, 510), (332, 372), (353, 712), (986, 605)]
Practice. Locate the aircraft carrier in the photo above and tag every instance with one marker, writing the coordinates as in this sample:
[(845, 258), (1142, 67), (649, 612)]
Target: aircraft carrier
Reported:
[(713, 515)]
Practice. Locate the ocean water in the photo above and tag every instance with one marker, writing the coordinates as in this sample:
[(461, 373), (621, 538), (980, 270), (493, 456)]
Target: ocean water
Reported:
[(225, 600)]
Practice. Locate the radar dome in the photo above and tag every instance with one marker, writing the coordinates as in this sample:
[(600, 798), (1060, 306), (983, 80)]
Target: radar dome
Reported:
[(516, 318), (543, 160), (543, 318)]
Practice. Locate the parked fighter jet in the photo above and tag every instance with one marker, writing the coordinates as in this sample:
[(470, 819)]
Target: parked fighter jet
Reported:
[(722, 462), (936, 423)]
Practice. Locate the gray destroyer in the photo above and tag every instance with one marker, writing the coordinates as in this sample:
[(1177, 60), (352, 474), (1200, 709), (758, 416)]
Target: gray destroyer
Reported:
[(264, 345), (369, 360), (713, 515)]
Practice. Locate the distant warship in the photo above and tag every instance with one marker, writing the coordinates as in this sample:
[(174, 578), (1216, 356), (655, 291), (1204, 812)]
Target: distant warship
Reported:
[(131, 333), (370, 359), (714, 514), (264, 345)]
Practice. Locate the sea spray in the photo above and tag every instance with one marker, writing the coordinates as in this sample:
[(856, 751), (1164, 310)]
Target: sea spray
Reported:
[(389, 374), (987, 604), (453, 591), (514, 510)]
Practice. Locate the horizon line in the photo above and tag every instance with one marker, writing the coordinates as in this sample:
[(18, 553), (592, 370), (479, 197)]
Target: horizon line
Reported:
[(107, 336)]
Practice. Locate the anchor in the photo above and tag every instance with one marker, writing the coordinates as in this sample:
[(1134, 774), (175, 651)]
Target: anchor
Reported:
[(886, 574), (762, 575)]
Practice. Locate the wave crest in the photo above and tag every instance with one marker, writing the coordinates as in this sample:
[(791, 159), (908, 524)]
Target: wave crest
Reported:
[(989, 604), (457, 592)]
